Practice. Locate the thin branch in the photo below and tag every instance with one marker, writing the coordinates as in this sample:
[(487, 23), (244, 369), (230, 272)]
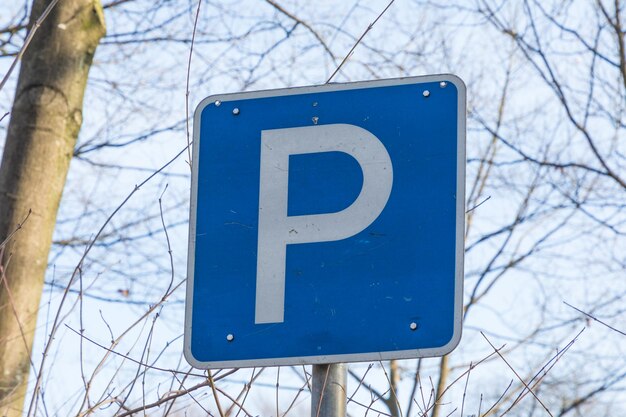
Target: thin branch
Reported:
[(165, 399), (138, 362), (193, 38), (167, 238), (369, 27), (17, 229), (595, 319), (478, 205), (213, 388), (9, 293), (517, 375), (305, 24), (543, 371), (27, 41)]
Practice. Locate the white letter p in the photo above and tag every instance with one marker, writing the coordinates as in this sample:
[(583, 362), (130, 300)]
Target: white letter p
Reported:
[(277, 229)]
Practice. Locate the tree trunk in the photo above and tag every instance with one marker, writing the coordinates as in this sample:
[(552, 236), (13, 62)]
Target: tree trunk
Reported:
[(45, 121)]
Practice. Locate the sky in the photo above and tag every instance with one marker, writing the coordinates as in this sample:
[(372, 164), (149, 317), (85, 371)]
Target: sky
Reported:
[(567, 234)]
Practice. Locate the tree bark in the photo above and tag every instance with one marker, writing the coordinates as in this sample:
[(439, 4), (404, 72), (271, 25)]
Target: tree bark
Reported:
[(45, 120)]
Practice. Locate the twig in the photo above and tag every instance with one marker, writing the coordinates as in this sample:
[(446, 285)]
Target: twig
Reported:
[(213, 388), (439, 396), (193, 38), (322, 390), (305, 24), (478, 205), (27, 41), (108, 327), (17, 229), (245, 391), (517, 375), (392, 400), (361, 379), (544, 370), (145, 352), (170, 397), (167, 238), (465, 390), (497, 401), (9, 293), (194, 398), (140, 363), (418, 368), (595, 319), (370, 407), (82, 330), (295, 398), (369, 27), (167, 410), (235, 402)]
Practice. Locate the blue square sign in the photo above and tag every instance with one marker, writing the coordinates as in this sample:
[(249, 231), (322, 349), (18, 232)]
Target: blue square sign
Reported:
[(327, 224)]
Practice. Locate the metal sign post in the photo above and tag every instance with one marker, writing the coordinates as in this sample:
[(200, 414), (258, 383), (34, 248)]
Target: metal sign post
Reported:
[(328, 390)]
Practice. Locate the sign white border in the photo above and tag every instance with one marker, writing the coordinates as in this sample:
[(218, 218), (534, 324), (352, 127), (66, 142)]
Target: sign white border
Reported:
[(460, 226)]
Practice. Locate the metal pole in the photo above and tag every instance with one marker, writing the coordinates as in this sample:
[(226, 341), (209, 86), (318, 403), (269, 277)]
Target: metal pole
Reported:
[(328, 391)]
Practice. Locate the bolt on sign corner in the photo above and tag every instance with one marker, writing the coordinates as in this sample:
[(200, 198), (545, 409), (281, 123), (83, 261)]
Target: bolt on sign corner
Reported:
[(327, 223)]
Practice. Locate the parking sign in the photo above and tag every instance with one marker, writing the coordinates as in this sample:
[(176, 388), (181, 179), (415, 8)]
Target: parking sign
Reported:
[(327, 224)]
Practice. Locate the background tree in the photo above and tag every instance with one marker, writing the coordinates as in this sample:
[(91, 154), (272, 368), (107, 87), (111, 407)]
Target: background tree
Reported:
[(45, 121), (545, 220)]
